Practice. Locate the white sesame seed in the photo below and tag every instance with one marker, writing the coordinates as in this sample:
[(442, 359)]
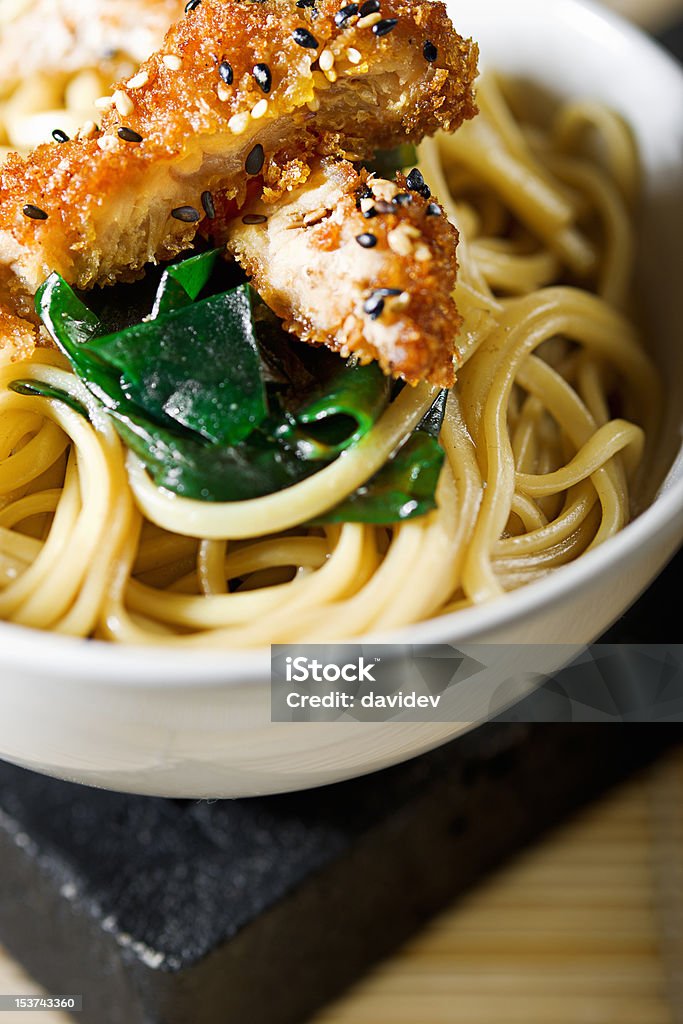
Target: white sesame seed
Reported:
[(422, 253), (366, 204), (326, 60), (104, 102), (396, 303), (354, 55), (331, 75), (87, 130), (399, 242), (137, 81), (238, 123), (224, 94), (259, 109), (411, 231), (172, 62), (313, 104), (315, 216), (383, 189), (369, 20), (108, 143), (123, 103)]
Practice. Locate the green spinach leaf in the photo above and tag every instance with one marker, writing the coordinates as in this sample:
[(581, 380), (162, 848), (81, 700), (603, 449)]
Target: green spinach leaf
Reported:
[(406, 486), (337, 412), (198, 366), (182, 283), (39, 389)]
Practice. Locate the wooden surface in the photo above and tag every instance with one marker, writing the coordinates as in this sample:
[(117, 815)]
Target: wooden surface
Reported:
[(585, 928)]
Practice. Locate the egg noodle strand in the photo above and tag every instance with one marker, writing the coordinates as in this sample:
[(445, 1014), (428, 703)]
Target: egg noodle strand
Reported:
[(554, 410)]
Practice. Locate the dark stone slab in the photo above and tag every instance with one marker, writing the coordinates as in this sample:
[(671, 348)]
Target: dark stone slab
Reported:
[(258, 911)]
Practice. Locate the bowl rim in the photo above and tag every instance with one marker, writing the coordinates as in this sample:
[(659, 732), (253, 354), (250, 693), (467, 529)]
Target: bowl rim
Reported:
[(103, 663)]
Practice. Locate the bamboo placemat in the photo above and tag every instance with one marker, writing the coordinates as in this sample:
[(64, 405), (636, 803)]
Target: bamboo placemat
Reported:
[(584, 928)]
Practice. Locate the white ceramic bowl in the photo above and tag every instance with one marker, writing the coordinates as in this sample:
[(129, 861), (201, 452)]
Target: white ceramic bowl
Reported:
[(181, 724)]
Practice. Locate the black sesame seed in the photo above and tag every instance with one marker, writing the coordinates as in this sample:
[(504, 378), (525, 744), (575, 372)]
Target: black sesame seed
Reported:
[(402, 199), (367, 240), (254, 161), (369, 7), (374, 306), (191, 5), (369, 214), (225, 71), (59, 136), (382, 206), (187, 214), (208, 205), (433, 210), (34, 212), (303, 37), (416, 183), (128, 135), (254, 218), (383, 28), (342, 16), (264, 79), (429, 51), (305, 3)]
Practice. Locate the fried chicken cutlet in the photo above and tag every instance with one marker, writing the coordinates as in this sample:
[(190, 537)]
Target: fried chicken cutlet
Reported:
[(357, 263), (238, 91)]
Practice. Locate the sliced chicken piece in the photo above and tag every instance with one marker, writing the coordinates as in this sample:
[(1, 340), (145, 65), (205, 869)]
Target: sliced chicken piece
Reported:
[(237, 91), (65, 36), (357, 263)]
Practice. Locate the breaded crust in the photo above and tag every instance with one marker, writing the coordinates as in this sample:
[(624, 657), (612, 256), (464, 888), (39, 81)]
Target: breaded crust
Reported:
[(324, 256), (17, 338), (204, 126)]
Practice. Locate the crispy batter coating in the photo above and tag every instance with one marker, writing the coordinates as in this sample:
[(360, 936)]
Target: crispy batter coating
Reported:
[(18, 338), (64, 36), (110, 201), (323, 255)]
